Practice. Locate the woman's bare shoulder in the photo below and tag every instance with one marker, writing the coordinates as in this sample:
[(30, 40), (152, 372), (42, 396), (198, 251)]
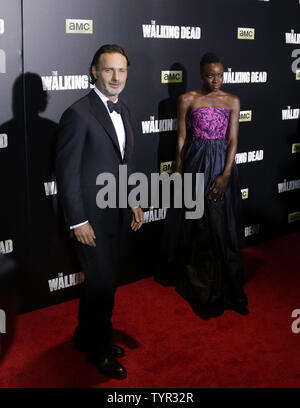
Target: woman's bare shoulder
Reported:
[(232, 101), (188, 98)]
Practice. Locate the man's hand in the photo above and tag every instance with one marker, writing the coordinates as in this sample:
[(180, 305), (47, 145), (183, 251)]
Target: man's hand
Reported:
[(137, 218), (85, 234)]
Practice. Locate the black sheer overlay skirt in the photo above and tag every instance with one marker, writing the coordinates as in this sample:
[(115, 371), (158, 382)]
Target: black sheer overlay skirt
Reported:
[(202, 257)]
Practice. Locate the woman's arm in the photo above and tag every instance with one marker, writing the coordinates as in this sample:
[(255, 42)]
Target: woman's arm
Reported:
[(220, 184)]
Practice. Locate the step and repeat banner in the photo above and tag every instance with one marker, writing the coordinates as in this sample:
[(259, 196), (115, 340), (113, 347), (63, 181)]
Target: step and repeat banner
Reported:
[(46, 47), (13, 194)]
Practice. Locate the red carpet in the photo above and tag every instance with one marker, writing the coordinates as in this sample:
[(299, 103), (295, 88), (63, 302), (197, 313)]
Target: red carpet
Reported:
[(167, 344)]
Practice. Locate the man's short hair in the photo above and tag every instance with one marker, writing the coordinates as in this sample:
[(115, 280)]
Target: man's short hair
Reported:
[(106, 49)]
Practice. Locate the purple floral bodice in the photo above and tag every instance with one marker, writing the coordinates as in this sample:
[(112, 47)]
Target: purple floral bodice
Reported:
[(209, 122)]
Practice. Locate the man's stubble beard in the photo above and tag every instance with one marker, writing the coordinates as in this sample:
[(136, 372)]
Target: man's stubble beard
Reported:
[(109, 93)]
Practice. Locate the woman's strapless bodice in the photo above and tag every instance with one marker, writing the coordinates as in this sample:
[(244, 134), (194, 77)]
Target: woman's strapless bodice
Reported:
[(209, 122)]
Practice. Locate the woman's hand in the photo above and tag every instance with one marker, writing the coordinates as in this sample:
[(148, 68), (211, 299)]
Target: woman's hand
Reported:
[(218, 188)]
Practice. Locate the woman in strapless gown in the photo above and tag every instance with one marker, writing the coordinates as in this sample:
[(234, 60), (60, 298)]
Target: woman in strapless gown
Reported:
[(211, 265)]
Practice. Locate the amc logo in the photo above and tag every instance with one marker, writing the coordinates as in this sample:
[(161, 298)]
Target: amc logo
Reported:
[(79, 26), (296, 148), (293, 217), (246, 33), (245, 193), (166, 167), (171, 77), (245, 116)]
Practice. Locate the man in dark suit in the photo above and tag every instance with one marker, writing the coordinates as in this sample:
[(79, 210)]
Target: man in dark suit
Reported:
[(95, 136)]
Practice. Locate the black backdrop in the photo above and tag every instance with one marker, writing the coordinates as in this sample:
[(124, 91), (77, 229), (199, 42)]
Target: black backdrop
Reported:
[(40, 61)]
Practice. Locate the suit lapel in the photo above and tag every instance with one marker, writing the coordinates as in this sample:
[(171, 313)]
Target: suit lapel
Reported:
[(100, 113), (129, 133)]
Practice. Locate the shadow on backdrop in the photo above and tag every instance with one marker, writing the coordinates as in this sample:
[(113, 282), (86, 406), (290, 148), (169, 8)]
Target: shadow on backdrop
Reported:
[(167, 109), (167, 267), (33, 211)]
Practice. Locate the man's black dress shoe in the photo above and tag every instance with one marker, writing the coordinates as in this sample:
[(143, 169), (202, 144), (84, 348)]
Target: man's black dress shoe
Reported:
[(165, 281), (239, 306), (108, 366), (115, 351)]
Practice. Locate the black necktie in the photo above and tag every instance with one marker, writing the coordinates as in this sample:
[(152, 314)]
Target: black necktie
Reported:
[(114, 106)]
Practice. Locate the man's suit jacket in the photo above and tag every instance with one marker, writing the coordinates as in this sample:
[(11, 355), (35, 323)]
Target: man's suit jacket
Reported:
[(87, 145)]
